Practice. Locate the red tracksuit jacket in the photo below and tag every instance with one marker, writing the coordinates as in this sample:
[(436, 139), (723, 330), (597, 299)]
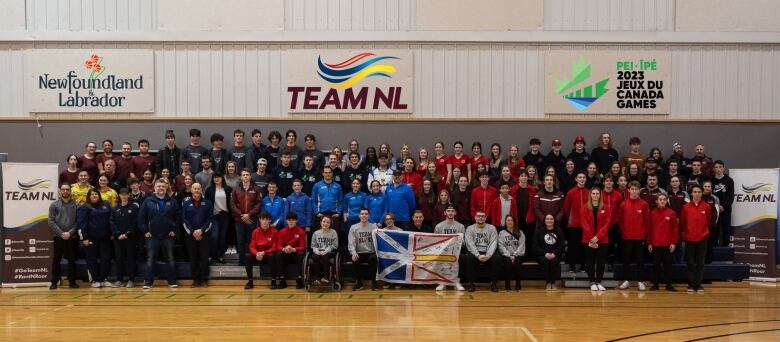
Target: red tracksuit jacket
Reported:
[(575, 199), (695, 221), (612, 202), (482, 199), (664, 227), (634, 219), (495, 211), (263, 241), (600, 229), (295, 237)]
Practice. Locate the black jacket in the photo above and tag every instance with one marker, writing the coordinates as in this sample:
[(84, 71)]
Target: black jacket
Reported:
[(549, 242), (211, 193), (124, 219), (168, 159)]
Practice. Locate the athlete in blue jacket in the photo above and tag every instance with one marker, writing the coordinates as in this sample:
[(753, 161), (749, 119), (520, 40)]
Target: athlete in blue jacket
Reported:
[(400, 200)]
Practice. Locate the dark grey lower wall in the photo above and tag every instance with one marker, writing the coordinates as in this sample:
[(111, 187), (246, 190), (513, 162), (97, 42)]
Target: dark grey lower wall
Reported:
[(740, 145)]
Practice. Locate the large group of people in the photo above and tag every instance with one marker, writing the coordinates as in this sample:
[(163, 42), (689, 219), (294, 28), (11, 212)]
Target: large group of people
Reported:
[(270, 204)]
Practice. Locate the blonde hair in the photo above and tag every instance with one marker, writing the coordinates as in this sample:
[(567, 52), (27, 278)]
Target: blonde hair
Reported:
[(590, 200)]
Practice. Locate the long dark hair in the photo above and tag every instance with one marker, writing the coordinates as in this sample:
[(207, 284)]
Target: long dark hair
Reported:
[(89, 203)]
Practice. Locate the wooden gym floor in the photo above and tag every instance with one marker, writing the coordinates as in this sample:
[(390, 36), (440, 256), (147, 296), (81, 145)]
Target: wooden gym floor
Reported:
[(726, 311)]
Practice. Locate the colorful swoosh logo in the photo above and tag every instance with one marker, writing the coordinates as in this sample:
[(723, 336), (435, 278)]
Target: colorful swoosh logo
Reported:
[(33, 184), (758, 187), (354, 69)]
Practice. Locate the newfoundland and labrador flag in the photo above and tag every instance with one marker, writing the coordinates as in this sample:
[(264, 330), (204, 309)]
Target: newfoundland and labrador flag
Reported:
[(417, 258)]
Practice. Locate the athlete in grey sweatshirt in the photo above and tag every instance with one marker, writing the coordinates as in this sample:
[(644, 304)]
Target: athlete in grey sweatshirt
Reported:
[(450, 226), (62, 223), (361, 249), (511, 245), (324, 243), (481, 242)]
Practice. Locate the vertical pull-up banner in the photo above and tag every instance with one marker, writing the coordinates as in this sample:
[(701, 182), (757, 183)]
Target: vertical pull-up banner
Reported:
[(754, 218), (28, 190)]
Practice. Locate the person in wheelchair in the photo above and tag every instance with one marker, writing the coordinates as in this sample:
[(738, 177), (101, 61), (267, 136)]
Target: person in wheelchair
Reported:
[(290, 250), (324, 245)]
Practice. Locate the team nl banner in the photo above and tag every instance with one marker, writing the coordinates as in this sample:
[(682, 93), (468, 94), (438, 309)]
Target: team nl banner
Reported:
[(417, 258), (28, 190), (754, 218)]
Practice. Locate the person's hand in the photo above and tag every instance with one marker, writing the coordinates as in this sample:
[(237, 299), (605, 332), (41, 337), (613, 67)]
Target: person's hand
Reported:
[(482, 258), (355, 257), (550, 256), (307, 229), (722, 209), (198, 234), (345, 217), (122, 237), (650, 248), (671, 248), (259, 256), (65, 235), (512, 258), (245, 218), (148, 235), (86, 243), (171, 234), (594, 240)]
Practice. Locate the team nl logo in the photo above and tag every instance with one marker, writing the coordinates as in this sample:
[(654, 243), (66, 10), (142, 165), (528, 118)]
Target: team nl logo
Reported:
[(32, 185), (759, 192), (31, 191), (346, 73), (578, 90)]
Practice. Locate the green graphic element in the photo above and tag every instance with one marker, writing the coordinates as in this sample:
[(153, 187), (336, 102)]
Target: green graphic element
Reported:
[(585, 96)]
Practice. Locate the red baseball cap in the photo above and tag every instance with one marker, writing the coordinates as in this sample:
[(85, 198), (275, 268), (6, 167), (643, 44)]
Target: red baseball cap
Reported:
[(579, 139), (556, 142)]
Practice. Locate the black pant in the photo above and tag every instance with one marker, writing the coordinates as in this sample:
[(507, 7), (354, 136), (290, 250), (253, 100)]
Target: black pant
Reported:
[(67, 249), (512, 270), (251, 262), (694, 258), (365, 266), (199, 257), (614, 243), (633, 249), (125, 257), (661, 254), (712, 242), (574, 248), (550, 268), (596, 258), (99, 249), (320, 265), (472, 262), (283, 259), (528, 230), (725, 228)]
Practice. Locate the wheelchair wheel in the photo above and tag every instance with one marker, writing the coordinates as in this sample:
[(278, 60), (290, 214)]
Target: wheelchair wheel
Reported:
[(307, 271), (337, 286)]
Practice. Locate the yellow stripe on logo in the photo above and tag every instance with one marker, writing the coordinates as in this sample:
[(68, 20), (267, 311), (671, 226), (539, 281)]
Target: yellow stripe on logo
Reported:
[(448, 258)]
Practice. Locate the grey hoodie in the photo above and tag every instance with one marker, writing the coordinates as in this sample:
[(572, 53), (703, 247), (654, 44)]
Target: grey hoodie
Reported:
[(508, 245), (361, 239), (324, 242), (62, 217), (484, 240), (445, 228)]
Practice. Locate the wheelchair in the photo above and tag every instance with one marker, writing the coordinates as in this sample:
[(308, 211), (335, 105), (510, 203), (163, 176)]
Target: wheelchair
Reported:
[(335, 274)]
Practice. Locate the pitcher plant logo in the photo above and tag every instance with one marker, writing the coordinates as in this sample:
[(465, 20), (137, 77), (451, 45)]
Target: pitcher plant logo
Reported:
[(33, 184), (94, 64), (576, 91), (344, 74)]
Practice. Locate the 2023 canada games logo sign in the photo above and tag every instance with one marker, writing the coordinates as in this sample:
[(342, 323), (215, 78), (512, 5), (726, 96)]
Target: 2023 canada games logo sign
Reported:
[(577, 90), (363, 81)]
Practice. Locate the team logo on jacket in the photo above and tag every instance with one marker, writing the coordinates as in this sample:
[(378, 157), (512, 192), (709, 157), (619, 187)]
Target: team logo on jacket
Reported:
[(580, 95), (550, 239)]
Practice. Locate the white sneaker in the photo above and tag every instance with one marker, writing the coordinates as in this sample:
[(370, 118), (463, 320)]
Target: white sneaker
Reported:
[(173, 286), (441, 287), (641, 286), (553, 287), (459, 287), (129, 284), (117, 284), (594, 287), (624, 285), (95, 285), (600, 287)]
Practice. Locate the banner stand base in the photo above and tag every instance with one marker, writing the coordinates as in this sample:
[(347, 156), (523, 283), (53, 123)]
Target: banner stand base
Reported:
[(15, 285), (768, 280)]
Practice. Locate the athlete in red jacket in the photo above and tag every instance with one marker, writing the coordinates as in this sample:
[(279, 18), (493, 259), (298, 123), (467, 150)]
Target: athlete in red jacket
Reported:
[(595, 221), (482, 196), (696, 219), (634, 218), (661, 239), (262, 249), (290, 246), (496, 208), (575, 199)]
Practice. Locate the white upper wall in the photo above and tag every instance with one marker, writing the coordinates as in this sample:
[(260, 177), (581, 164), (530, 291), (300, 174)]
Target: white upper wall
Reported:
[(728, 15)]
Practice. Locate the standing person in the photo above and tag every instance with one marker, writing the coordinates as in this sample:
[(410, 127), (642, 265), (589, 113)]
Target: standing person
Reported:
[(400, 199), (678, 155), (143, 161), (124, 161), (595, 236), (556, 158), (124, 229), (482, 196), (196, 215), (534, 156), (275, 205), (245, 204), (71, 173), (661, 240), (674, 172), (460, 197), (410, 176), (459, 159), (611, 198), (353, 202), (441, 206), (206, 172), (723, 188), (217, 153), (257, 149), (335, 165), (169, 156), (437, 181), (426, 202), (318, 157), (115, 180), (576, 199), (80, 189), (232, 175), (706, 162), (361, 249), (511, 245), (697, 176), (262, 250), (634, 218), (178, 180), (274, 149), (383, 173), (523, 194), (324, 244), (566, 178), (714, 202), (355, 171), (136, 195), (503, 206), (284, 174), (291, 136), (423, 161), (300, 204), (239, 153), (604, 154), (548, 201), (695, 223), (291, 246), (157, 220), (592, 176), (477, 157), (634, 155), (481, 241), (580, 157), (514, 161), (496, 161), (106, 192), (441, 160), (194, 151), (108, 154), (353, 146), (309, 174), (506, 177), (88, 162), (371, 161), (261, 177), (549, 245), (94, 226), (651, 192), (450, 226), (62, 224), (219, 194), (376, 203)]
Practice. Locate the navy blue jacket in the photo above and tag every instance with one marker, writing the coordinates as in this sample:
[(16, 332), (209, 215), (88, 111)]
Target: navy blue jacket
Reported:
[(194, 217), (158, 216), (94, 223), (124, 219)]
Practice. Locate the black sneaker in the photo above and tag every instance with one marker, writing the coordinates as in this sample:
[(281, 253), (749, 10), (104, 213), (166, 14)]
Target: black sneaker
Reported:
[(282, 284), (249, 285), (273, 284), (493, 287), (670, 288), (518, 287), (507, 286), (654, 287), (472, 288), (358, 286), (374, 285), (53, 286), (299, 283)]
